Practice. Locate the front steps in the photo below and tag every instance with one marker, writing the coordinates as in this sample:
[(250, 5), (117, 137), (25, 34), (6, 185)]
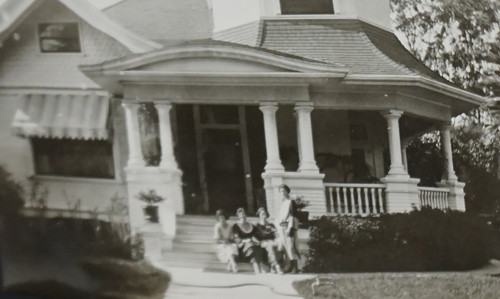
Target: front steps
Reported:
[(193, 246)]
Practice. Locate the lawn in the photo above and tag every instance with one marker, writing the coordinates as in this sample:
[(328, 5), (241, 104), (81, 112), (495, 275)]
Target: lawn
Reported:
[(401, 285)]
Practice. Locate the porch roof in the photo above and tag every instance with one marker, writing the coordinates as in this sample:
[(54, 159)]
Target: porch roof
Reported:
[(62, 116)]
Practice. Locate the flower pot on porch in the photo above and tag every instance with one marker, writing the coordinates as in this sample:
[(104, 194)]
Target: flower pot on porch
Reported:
[(151, 214), (303, 217)]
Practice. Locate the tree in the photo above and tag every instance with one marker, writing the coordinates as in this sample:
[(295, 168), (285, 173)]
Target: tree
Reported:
[(460, 39)]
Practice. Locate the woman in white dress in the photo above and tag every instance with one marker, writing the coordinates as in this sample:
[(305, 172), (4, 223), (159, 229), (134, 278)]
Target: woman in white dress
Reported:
[(223, 236), (287, 225)]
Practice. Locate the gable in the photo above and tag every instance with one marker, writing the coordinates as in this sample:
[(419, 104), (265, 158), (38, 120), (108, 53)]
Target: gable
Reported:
[(212, 65), (23, 65)]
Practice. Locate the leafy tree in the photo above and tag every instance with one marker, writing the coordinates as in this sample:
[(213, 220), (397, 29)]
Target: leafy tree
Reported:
[(460, 40)]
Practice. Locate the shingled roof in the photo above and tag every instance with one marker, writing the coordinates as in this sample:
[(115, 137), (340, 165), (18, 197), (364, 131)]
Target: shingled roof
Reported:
[(365, 49)]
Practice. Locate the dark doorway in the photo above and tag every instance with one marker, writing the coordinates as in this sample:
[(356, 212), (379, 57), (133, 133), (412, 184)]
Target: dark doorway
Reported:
[(224, 170)]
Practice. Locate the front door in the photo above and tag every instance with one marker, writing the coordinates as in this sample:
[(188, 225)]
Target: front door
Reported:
[(213, 151), (224, 171)]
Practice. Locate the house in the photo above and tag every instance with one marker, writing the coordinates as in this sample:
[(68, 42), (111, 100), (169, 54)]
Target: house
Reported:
[(215, 103)]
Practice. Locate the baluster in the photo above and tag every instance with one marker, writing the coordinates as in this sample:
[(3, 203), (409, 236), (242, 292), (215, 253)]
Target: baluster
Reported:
[(373, 201), (352, 201), (339, 201), (329, 202), (359, 205), (366, 201), (344, 200), (441, 200), (381, 200)]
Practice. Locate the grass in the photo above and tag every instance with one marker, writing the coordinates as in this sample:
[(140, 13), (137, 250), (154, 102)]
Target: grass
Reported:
[(401, 285)]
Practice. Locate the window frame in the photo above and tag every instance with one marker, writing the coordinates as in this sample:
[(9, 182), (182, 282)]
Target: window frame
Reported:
[(334, 4), (39, 38), (64, 177)]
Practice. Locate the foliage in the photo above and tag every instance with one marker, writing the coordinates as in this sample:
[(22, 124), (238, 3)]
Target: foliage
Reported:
[(150, 197), (124, 278), (11, 195), (401, 285), (426, 240), (459, 39), (425, 160)]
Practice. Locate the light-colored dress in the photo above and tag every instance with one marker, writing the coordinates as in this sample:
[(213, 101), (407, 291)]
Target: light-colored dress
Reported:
[(286, 221), (224, 237)]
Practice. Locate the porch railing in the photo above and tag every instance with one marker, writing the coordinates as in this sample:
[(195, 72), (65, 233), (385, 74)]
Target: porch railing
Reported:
[(436, 198), (355, 199)]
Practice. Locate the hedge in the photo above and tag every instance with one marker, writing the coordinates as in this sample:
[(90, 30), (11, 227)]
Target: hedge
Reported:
[(426, 240)]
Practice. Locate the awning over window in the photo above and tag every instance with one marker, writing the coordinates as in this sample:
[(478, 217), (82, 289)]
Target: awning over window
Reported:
[(62, 116)]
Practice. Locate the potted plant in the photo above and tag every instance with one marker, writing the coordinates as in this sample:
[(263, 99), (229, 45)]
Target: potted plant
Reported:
[(151, 198), (302, 216)]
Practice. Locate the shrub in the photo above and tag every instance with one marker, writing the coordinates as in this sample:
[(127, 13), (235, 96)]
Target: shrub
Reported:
[(426, 240), (11, 195)]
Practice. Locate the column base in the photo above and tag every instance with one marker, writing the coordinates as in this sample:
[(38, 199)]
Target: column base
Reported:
[(401, 193), (167, 184), (155, 241), (274, 167), (456, 197), (309, 167), (309, 186)]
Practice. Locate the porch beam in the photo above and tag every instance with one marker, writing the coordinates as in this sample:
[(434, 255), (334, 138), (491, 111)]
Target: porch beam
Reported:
[(307, 162), (135, 158), (273, 162)]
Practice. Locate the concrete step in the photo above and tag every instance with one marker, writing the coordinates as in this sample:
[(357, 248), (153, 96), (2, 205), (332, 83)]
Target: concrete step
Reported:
[(194, 246)]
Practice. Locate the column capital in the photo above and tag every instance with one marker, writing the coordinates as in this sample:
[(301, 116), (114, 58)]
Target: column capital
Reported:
[(268, 106), (129, 104), (392, 114), (163, 106), (446, 126), (303, 107)]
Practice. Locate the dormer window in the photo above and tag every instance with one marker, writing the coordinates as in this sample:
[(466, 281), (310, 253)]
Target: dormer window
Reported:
[(309, 7), (59, 37)]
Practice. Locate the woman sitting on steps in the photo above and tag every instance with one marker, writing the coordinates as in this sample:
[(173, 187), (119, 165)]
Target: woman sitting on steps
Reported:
[(246, 237), (226, 248)]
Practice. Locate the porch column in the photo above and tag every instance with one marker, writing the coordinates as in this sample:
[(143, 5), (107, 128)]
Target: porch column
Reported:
[(401, 190), (135, 158), (449, 174), (305, 139), (167, 147), (456, 197), (273, 162), (392, 118), (405, 156)]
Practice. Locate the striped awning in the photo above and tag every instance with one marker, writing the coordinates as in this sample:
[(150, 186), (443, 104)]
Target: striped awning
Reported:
[(62, 116)]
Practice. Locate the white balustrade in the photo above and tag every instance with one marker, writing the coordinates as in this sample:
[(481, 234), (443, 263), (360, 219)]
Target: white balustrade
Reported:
[(436, 198), (355, 199)]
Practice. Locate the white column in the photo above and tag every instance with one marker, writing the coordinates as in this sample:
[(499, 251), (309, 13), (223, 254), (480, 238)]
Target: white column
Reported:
[(135, 158), (450, 175), (273, 163), (166, 142), (405, 156), (305, 139), (392, 118)]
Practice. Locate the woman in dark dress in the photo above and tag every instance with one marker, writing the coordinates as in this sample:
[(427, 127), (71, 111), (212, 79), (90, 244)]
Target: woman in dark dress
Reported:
[(246, 238), (268, 240)]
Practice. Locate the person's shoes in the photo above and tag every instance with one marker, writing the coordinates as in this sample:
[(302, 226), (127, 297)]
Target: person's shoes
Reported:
[(277, 268), (295, 267)]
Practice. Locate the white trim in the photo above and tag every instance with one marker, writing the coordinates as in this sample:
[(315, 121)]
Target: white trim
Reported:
[(23, 90), (408, 80), (66, 179), (95, 18)]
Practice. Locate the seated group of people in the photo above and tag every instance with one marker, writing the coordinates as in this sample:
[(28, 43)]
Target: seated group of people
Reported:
[(264, 244)]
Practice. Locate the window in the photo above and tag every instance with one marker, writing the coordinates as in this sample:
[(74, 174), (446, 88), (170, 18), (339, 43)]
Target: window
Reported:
[(296, 7), (59, 37), (75, 158)]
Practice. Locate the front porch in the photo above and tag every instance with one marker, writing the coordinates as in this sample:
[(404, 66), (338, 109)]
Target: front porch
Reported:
[(229, 124)]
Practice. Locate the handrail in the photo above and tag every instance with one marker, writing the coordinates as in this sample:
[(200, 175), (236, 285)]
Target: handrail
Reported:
[(355, 185), (436, 189)]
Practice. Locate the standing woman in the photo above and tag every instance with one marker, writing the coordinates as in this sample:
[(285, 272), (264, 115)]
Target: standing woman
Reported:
[(287, 228), (246, 237), (226, 248)]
